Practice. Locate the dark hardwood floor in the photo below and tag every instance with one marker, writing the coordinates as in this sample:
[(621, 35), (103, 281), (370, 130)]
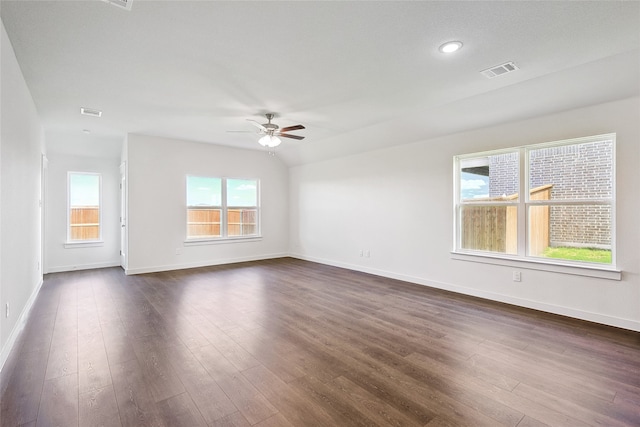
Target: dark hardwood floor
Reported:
[(291, 343)]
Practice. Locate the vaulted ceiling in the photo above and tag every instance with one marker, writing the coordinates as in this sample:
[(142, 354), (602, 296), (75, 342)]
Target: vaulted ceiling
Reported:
[(359, 75)]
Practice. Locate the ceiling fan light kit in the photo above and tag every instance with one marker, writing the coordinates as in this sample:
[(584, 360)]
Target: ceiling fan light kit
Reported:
[(272, 132), (269, 141)]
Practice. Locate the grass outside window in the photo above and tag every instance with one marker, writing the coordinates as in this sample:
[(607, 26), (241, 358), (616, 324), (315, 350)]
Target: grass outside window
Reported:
[(602, 256)]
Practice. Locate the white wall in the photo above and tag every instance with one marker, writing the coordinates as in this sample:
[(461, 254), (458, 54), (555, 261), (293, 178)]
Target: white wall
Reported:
[(21, 142), (156, 181), (398, 204), (59, 258)]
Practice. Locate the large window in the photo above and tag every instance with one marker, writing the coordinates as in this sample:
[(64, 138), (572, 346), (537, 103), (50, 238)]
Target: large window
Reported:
[(222, 208), (566, 213), (84, 215)]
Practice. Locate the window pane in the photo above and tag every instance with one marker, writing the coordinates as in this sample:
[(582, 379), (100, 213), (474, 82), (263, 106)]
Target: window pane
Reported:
[(577, 171), (474, 179), (572, 232), (242, 222), (202, 222), (489, 228), (204, 191), (242, 192), (204, 200), (84, 206), (84, 189), (490, 178)]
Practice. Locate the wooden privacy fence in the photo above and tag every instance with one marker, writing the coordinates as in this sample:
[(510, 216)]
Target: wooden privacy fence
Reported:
[(205, 222), (84, 223), (242, 222), (495, 228)]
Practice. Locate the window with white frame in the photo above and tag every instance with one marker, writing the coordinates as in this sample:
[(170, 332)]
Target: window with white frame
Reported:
[(219, 208), (551, 202), (84, 207), (242, 207)]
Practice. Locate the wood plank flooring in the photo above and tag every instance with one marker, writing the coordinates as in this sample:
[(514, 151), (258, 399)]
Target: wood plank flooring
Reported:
[(290, 343)]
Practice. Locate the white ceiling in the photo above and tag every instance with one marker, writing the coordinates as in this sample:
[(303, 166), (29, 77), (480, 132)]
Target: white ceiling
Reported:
[(359, 75)]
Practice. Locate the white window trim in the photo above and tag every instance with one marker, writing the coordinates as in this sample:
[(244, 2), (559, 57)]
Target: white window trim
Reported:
[(523, 259), (541, 264), (75, 244), (209, 240), (69, 244), (221, 240)]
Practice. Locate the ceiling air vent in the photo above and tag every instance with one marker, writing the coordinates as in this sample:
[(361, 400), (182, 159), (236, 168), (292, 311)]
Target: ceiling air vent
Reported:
[(124, 4), (90, 112), (499, 70)]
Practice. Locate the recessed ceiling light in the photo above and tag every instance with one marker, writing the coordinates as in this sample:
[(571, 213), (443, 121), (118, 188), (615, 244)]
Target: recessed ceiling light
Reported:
[(87, 131), (450, 47)]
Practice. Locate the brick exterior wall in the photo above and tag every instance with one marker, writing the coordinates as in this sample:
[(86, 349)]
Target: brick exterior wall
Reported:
[(576, 171), (503, 174), (582, 171), (580, 226)]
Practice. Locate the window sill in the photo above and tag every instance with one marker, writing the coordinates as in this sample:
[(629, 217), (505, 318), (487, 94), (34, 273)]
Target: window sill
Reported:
[(602, 272), (84, 244), (221, 240)]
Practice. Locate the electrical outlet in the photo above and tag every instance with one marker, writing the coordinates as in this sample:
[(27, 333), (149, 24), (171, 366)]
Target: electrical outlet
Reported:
[(517, 276), (6, 314), (367, 253), (361, 252), (178, 251)]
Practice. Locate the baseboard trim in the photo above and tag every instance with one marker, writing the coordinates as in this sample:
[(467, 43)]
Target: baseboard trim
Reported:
[(19, 326), (205, 263), (76, 267), (520, 302)]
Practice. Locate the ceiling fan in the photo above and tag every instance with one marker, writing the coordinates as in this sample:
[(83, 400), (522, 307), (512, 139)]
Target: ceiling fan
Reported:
[(272, 132)]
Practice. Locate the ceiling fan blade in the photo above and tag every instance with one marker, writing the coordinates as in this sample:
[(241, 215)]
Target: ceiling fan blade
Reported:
[(290, 128), (258, 125), (291, 136)]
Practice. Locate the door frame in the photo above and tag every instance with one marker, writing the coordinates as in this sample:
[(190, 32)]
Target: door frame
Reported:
[(123, 217)]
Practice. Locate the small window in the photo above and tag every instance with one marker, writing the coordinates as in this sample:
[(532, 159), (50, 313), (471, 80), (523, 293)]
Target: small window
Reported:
[(84, 207), (566, 214), (219, 208)]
